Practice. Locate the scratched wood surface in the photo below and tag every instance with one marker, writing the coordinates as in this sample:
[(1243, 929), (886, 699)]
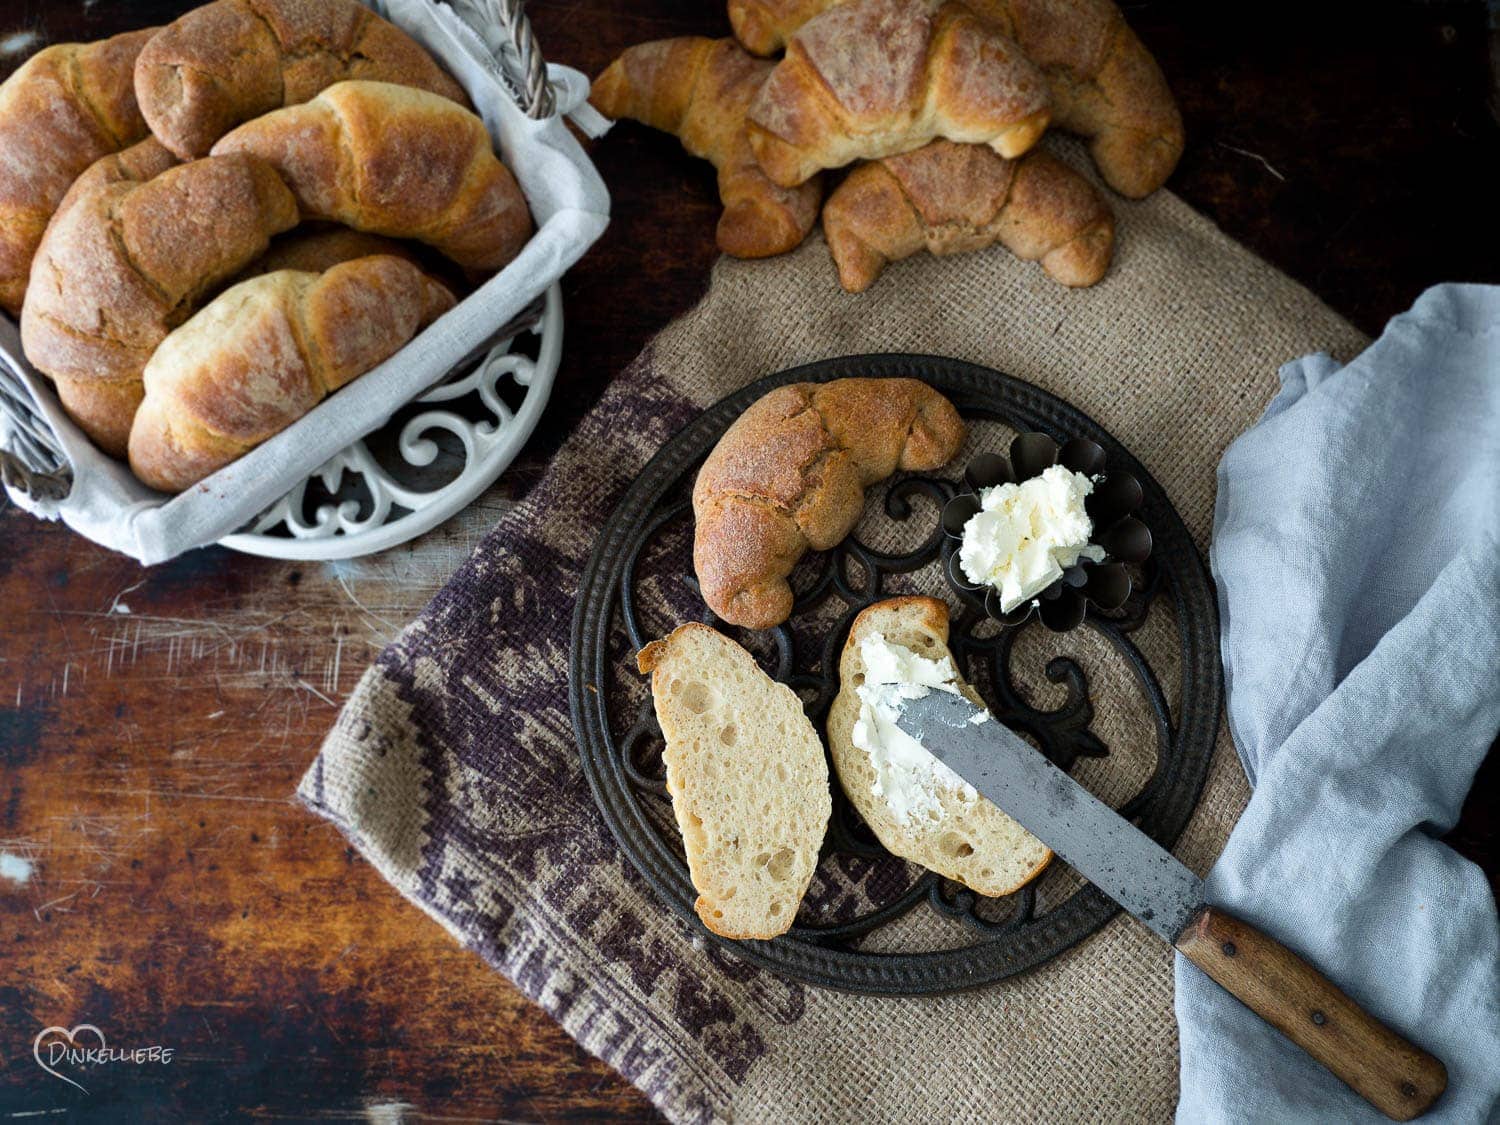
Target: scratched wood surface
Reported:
[(155, 878)]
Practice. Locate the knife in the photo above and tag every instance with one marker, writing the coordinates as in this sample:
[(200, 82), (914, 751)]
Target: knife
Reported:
[(1396, 1077)]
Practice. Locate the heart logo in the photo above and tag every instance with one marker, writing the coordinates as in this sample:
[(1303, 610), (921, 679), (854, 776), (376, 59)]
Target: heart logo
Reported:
[(72, 1038)]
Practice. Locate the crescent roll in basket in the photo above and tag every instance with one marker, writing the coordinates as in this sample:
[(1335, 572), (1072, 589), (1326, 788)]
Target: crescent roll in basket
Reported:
[(66, 107), (265, 352), (316, 248), (395, 161), (952, 198), (876, 77), (1104, 83), (137, 244), (790, 475), (699, 90), (232, 60)]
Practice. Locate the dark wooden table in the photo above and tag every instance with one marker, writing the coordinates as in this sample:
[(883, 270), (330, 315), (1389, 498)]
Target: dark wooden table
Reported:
[(154, 723)]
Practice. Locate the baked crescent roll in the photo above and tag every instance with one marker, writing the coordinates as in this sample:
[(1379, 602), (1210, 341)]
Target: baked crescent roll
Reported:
[(1105, 85), (395, 161), (232, 60), (66, 107), (136, 245), (265, 352), (790, 474), (876, 77), (950, 198), (699, 90)]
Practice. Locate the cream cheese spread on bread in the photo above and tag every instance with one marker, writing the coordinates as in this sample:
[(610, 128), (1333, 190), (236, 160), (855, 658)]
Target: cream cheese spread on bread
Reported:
[(1025, 535), (907, 777)]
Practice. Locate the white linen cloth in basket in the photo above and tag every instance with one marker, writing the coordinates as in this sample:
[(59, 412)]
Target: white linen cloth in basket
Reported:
[(569, 202)]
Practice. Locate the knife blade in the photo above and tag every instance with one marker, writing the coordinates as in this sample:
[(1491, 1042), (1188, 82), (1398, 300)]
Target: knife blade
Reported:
[(1396, 1077), (1108, 850)]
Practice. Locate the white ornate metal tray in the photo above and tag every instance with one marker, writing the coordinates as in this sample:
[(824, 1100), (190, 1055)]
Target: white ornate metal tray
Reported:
[(430, 460), (425, 461)]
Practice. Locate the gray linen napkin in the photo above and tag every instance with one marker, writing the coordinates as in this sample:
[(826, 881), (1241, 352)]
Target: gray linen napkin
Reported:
[(1357, 552)]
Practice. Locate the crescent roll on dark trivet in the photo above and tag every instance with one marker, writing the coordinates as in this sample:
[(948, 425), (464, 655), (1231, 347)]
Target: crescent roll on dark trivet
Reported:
[(877, 77), (232, 60), (790, 475), (1105, 85), (747, 776), (952, 198), (918, 808), (699, 90), (317, 249), (64, 108)]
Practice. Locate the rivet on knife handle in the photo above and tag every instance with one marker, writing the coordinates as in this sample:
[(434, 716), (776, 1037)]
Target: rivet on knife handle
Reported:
[(1396, 1077)]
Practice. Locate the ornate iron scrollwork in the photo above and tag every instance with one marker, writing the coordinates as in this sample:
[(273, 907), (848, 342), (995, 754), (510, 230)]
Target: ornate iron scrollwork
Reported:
[(624, 765)]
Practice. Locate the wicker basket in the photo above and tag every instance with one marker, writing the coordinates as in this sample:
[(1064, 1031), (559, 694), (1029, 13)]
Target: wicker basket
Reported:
[(39, 473)]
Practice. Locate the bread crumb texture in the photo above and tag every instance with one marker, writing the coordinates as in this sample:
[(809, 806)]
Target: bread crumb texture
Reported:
[(747, 776)]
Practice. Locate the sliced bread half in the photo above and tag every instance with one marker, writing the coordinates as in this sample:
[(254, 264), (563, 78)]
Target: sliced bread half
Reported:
[(955, 832), (748, 780)]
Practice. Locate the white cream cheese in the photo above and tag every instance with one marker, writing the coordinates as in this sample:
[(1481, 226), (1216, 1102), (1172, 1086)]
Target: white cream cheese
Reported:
[(1025, 535), (907, 777)]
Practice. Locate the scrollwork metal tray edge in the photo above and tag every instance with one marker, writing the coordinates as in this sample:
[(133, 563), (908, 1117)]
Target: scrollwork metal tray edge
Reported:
[(976, 391)]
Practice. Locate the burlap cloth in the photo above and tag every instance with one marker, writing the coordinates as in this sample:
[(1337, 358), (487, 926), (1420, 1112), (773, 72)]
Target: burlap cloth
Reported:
[(454, 770)]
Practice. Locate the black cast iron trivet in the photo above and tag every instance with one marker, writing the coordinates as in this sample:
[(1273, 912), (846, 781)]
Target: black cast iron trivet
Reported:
[(620, 744)]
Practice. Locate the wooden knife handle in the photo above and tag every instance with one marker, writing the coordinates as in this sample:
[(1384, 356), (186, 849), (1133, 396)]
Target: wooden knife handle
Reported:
[(1397, 1078)]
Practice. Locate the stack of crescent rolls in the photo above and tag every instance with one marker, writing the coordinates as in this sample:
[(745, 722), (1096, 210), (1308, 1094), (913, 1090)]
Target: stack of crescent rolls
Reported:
[(934, 106), (209, 227)]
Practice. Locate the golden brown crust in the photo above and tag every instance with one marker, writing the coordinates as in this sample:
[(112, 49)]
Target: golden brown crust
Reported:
[(395, 161), (66, 107), (878, 77), (233, 60), (764, 26), (315, 248), (133, 249), (1105, 85), (264, 353), (953, 198), (930, 613), (647, 660), (790, 474), (703, 908), (699, 90), (651, 657)]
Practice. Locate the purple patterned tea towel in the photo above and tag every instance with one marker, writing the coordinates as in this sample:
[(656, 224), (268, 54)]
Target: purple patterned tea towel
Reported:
[(454, 769)]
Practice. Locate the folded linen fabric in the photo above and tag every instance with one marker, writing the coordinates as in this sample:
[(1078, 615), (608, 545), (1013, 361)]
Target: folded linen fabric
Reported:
[(1357, 554), (454, 769)]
